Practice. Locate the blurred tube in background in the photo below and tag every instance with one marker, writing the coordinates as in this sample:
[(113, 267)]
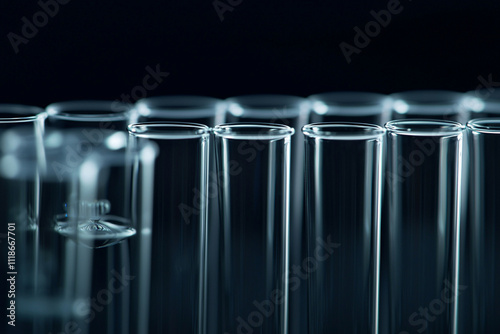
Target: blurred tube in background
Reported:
[(343, 187), (429, 104), (362, 107), (419, 244), (179, 108), (180, 203), (21, 163), (483, 103), (291, 111), (484, 247), (253, 165), (76, 133), (210, 112), (101, 115)]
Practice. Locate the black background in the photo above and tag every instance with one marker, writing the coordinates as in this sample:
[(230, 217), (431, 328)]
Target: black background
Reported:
[(99, 49)]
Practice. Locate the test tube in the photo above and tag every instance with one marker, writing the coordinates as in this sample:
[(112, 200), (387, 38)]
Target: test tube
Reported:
[(362, 107), (343, 187), (485, 234), (210, 112), (419, 258), (253, 166), (21, 128), (292, 111), (102, 271), (179, 214)]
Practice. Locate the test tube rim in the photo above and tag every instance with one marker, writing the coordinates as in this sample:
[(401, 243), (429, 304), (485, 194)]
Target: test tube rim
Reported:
[(484, 125), (20, 113), (257, 131), (434, 127), (350, 103), (74, 110), (168, 130), (324, 130)]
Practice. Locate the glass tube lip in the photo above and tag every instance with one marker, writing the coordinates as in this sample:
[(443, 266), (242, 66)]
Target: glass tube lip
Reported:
[(424, 127), (169, 130), (181, 106), (18, 113), (350, 103), (343, 131), (259, 105), (88, 110), (430, 102), (253, 131), (485, 125)]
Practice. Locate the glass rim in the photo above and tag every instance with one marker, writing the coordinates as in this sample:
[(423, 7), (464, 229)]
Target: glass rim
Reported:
[(179, 106), (343, 131), (350, 103), (424, 127), (253, 131), (20, 113), (89, 110), (168, 130), (258, 105), (484, 125), (428, 96)]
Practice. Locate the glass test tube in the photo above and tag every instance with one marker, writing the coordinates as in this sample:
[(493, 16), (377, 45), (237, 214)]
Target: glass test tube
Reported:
[(291, 111), (419, 257), (210, 112), (363, 107), (178, 272), (101, 272), (484, 244), (343, 187), (253, 163), (21, 129)]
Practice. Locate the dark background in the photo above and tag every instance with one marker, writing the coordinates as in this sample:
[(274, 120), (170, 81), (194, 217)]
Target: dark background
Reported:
[(99, 50)]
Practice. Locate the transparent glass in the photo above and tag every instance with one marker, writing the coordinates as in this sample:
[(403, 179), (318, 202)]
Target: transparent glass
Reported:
[(210, 112), (180, 108), (86, 215), (21, 129), (483, 103), (253, 166), (429, 104), (179, 214), (363, 107), (103, 115), (484, 243), (419, 237), (343, 189), (292, 111)]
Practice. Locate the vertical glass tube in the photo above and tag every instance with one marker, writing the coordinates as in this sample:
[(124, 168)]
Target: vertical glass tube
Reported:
[(363, 107), (178, 274), (253, 163), (104, 273), (292, 111), (485, 234), (343, 187), (420, 239), (210, 112), (21, 130)]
